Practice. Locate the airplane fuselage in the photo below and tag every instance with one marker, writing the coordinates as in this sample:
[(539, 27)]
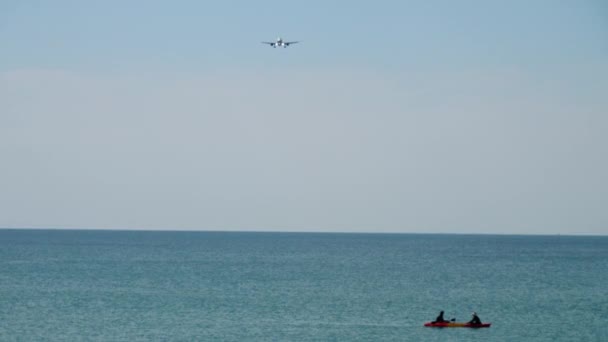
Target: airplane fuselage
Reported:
[(280, 43)]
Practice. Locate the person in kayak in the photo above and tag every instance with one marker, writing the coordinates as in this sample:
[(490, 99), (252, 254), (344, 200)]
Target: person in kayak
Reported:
[(475, 319), (440, 318)]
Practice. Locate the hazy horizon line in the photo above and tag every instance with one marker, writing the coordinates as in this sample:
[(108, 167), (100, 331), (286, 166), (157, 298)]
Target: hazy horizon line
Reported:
[(296, 231)]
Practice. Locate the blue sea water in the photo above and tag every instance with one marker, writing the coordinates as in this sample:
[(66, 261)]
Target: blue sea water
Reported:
[(214, 286)]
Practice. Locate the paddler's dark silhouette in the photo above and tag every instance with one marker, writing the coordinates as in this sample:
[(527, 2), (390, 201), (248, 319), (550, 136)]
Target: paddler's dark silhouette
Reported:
[(440, 318), (475, 319)]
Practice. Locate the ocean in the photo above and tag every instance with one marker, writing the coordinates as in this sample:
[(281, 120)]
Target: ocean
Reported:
[(79, 285)]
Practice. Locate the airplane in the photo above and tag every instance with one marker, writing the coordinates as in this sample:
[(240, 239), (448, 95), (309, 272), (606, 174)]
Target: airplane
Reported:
[(279, 43)]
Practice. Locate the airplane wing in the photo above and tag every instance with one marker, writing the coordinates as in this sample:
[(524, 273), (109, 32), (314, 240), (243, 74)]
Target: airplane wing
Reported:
[(269, 43), (289, 43)]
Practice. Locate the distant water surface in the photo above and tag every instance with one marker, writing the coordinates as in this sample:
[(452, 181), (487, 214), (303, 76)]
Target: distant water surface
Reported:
[(130, 286)]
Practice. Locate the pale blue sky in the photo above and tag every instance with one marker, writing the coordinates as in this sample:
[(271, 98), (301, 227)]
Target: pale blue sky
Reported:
[(391, 116), (403, 35)]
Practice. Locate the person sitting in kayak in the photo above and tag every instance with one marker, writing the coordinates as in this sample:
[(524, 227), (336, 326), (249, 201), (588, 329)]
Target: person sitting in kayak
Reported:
[(440, 318), (475, 319)]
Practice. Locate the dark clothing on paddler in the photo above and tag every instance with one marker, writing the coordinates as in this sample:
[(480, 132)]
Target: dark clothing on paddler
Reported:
[(440, 318), (475, 319)]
